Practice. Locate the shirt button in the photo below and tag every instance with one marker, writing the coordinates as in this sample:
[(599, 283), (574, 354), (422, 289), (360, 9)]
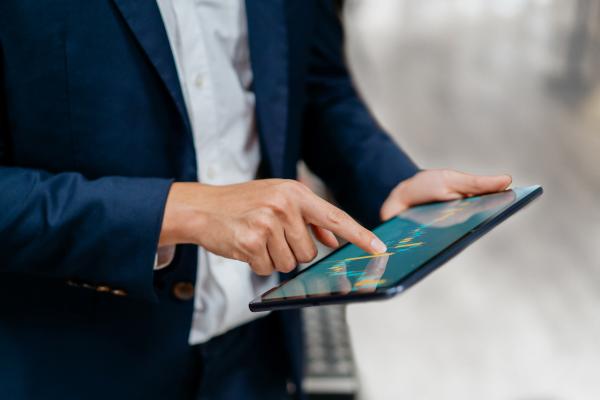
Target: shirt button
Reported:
[(183, 291), (103, 289), (199, 81)]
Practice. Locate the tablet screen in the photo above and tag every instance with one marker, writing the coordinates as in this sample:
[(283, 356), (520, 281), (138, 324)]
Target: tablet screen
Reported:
[(412, 238)]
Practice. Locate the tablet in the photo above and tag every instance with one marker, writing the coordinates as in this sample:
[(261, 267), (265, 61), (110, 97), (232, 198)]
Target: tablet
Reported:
[(419, 240)]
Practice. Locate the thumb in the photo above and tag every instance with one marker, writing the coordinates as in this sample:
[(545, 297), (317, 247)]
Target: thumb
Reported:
[(467, 184), (392, 206)]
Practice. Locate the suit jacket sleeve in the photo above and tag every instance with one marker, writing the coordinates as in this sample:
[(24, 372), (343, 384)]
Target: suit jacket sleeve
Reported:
[(342, 143), (64, 226)]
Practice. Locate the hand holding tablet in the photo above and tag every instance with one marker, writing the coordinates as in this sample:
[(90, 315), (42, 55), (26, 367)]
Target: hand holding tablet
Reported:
[(419, 240)]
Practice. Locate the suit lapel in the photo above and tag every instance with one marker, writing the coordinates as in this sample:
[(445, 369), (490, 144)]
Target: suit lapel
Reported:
[(268, 42), (145, 21)]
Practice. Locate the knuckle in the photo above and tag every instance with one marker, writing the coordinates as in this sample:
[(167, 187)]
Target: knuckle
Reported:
[(292, 186), (336, 216), (241, 256), (280, 202), (365, 236), (264, 219), (303, 258), (444, 190), (253, 242), (287, 266), (308, 254), (261, 269)]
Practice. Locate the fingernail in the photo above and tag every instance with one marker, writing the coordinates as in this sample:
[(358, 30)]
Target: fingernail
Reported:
[(378, 246)]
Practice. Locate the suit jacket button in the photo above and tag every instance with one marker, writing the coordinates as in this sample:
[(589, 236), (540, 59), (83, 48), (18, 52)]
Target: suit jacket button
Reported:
[(72, 283), (102, 289), (183, 291), (119, 292)]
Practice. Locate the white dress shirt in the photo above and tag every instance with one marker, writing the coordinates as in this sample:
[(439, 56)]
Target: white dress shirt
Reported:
[(209, 41)]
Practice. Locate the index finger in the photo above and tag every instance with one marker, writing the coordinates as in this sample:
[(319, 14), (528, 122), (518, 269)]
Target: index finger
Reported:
[(319, 212)]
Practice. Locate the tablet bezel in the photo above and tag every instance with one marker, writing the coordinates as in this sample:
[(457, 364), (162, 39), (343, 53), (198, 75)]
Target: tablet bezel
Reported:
[(461, 243)]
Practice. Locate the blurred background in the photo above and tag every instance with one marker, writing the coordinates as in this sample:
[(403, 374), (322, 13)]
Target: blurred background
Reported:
[(489, 86)]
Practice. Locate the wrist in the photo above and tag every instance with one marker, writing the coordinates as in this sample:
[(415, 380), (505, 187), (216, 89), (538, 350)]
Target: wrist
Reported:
[(183, 214)]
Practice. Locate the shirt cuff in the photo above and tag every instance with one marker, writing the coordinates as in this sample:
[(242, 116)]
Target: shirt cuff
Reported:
[(164, 256)]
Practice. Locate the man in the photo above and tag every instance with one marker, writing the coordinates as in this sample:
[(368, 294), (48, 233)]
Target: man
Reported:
[(128, 127)]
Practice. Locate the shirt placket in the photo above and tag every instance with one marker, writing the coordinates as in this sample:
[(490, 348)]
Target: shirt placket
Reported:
[(200, 90)]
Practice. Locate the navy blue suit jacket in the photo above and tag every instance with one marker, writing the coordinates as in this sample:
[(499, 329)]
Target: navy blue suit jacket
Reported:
[(93, 131)]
